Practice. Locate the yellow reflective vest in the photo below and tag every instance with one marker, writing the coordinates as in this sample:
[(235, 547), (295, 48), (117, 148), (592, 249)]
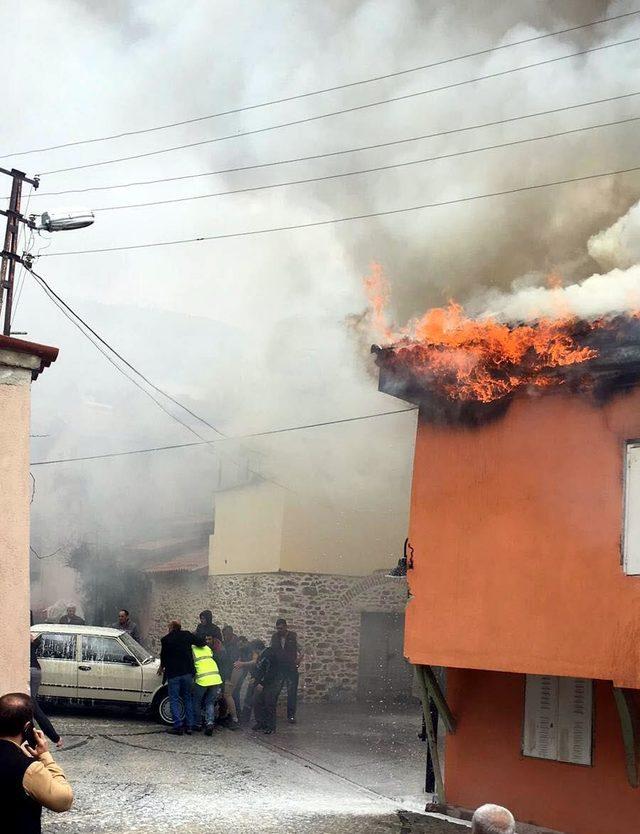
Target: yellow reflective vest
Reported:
[(207, 673)]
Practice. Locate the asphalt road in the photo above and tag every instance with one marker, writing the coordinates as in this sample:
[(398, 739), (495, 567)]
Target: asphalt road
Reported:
[(130, 776)]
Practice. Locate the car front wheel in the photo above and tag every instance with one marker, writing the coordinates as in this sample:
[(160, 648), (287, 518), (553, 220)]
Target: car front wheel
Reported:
[(164, 709)]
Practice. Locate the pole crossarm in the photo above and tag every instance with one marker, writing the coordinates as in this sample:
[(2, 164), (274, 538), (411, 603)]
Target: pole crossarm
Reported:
[(20, 175), (19, 217)]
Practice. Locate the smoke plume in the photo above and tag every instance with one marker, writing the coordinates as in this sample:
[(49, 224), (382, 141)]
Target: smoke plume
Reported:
[(619, 245), (606, 294), (254, 333)]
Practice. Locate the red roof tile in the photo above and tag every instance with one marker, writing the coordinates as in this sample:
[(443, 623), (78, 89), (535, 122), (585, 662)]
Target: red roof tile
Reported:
[(45, 353)]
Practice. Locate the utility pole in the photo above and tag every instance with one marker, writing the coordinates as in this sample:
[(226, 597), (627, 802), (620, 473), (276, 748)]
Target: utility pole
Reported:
[(9, 252)]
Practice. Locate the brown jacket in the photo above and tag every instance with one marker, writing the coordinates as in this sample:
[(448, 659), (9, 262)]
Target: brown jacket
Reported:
[(45, 782), (28, 785)]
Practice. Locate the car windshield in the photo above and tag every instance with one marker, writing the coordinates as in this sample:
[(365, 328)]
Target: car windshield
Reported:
[(138, 651)]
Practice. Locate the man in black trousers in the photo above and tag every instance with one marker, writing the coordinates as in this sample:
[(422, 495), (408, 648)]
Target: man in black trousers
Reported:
[(176, 663), (267, 683), (285, 645)]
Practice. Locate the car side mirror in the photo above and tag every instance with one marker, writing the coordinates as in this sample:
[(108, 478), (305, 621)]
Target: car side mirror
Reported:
[(129, 659)]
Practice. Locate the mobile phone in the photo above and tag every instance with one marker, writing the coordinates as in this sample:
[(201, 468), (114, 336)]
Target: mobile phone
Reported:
[(29, 736)]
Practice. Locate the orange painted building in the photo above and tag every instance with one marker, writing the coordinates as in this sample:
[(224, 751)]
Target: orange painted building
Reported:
[(525, 586)]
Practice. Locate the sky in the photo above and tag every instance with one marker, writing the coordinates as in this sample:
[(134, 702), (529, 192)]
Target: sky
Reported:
[(267, 331)]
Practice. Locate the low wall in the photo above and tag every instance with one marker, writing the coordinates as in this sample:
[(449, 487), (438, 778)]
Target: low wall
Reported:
[(323, 610)]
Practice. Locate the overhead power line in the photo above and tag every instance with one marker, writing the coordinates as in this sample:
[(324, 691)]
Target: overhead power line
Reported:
[(128, 364), (377, 169), (265, 433), (348, 219), (343, 86), (344, 110), (79, 325), (88, 332), (328, 154)]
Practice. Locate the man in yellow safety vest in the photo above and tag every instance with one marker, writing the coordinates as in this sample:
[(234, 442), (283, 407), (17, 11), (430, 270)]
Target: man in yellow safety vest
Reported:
[(206, 687)]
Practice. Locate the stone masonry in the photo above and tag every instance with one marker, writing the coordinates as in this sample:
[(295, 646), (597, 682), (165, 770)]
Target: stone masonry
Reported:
[(324, 610)]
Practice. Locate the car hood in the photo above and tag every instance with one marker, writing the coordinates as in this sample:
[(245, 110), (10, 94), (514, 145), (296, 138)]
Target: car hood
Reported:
[(150, 676)]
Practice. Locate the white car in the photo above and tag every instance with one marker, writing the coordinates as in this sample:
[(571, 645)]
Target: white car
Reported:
[(83, 664)]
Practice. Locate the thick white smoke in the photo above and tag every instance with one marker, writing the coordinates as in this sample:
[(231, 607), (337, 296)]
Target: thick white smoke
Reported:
[(619, 245), (606, 294), (252, 332)]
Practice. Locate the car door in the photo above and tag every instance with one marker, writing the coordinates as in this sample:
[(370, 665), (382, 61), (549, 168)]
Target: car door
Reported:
[(105, 674), (58, 658)]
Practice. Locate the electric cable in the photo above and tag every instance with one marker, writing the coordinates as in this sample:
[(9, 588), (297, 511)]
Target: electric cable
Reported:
[(88, 331), (225, 439), (377, 169), (348, 219), (109, 359), (333, 153), (159, 390), (353, 109), (48, 556), (372, 79)]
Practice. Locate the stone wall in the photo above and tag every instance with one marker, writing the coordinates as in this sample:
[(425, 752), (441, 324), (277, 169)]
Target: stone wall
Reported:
[(323, 610)]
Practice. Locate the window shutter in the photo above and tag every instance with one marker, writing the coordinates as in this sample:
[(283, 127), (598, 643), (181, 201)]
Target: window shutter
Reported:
[(632, 510), (575, 717), (541, 717)]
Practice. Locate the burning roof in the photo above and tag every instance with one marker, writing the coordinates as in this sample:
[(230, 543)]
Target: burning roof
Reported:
[(582, 337), (463, 369), (468, 370)]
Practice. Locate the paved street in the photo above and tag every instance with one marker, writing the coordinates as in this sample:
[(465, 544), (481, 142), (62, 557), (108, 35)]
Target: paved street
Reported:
[(339, 770)]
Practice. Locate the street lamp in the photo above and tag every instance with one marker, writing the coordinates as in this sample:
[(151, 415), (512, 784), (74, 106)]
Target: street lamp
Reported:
[(62, 220), (51, 221)]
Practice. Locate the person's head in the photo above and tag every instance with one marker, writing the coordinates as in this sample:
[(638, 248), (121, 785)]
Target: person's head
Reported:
[(206, 617), (71, 611), (257, 645), (493, 819), (16, 711), (174, 625), (227, 633), (242, 641), (209, 641), (281, 626), (123, 616)]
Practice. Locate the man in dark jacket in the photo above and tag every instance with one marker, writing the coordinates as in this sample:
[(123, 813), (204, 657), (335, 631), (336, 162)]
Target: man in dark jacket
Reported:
[(207, 628), (176, 663), (126, 624), (285, 645), (71, 618), (267, 679), (29, 776)]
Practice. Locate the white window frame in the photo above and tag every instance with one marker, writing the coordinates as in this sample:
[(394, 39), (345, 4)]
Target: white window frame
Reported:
[(630, 520), (558, 719)]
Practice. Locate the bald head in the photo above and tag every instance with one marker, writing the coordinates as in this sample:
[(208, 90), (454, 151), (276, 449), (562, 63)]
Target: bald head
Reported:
[(16, 710), (493, 819)]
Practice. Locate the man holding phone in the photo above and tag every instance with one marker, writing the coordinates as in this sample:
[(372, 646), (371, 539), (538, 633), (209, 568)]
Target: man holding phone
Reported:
[(29, 777)]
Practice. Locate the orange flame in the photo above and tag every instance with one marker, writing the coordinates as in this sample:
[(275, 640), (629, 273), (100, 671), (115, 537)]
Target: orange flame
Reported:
[(475, 359)]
